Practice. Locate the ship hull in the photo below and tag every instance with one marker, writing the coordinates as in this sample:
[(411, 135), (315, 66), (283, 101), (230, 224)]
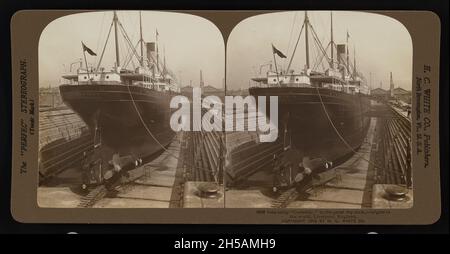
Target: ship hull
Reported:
[(129, 120), (332, 134)]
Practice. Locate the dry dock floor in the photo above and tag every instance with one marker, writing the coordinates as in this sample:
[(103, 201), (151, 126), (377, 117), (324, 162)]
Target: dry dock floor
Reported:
[(152, 185), (350, 188)]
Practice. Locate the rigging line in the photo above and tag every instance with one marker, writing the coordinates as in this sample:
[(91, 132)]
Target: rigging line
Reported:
[(317, 40), (126, 17), (317, 55), (151, 134), (132, 63), (292, 29), (133, 49), (100, 34), (295, 48), (319, 58), (323, 51), (129, 55), (323, 55), (127, 39), (122, 50), (104, 47), (134, 24), (127, 58)]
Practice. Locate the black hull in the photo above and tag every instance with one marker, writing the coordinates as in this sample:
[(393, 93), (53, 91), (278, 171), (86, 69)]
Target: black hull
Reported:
[(111, 110), (310, 130)]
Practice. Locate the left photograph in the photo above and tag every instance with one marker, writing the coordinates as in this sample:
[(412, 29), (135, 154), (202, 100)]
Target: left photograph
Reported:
[(107, 83)]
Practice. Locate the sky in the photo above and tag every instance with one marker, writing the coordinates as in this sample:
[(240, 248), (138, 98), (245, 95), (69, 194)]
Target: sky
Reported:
[(382, 45), (191, 44)]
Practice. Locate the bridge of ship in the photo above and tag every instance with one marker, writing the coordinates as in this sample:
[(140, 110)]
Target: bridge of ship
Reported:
[(126, 77), (314, 80)]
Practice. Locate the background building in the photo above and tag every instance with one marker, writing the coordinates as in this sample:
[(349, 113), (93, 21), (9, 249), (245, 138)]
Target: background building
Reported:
[(380, 93)]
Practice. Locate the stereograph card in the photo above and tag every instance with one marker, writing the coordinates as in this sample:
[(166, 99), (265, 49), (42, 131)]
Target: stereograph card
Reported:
[(225, 117)]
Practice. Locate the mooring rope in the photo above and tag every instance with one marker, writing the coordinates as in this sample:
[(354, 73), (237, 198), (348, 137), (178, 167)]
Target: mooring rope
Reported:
[(151, 134)]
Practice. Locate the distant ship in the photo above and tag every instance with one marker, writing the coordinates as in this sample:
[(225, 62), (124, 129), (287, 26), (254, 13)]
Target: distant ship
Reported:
[(127, 111), (321, 114)]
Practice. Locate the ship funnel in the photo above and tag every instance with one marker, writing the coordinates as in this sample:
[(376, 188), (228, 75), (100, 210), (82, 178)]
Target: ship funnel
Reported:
[(391, 85), (150, 48), (340, 57), (202, 84), (340, 53)]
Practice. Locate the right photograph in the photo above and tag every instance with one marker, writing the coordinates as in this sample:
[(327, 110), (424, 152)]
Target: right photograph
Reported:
[(321, 110)]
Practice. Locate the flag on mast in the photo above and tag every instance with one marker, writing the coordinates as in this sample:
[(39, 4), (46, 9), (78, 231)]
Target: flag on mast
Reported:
[(85, 48), (278, 52)]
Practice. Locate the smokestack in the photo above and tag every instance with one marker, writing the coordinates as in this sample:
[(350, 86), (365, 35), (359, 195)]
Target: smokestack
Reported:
[(340, 52), (151, 55), (150, 49), (340, 48), (392, 86), (202, 84)]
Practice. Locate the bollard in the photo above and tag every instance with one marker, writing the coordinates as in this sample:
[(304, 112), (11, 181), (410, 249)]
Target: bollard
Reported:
[(396, 193)]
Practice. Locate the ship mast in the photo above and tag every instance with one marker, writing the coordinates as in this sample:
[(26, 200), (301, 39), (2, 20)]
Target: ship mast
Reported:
[(306, 39), (157, 51), (164, 62), (354, 63), (116, 39), (141, 40), (332, 43), (307, 25), (347, 62)]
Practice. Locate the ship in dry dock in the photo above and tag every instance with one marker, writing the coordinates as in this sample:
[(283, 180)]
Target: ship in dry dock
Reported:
[(322, 114), (127, 110)]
